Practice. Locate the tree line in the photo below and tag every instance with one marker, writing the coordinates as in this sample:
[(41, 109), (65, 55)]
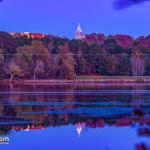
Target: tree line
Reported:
[(60, 58)]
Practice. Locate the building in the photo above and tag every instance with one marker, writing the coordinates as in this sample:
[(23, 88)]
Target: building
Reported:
[(36, 35), (79, 35), (28, 35)]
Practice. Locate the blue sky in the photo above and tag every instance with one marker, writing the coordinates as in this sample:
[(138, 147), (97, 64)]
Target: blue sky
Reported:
[(60, 17)]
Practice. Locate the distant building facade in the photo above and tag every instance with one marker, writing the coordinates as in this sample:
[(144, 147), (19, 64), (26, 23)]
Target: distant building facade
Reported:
[(28, 35)]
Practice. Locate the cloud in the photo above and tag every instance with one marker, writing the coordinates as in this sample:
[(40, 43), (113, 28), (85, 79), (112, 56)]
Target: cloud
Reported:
[(122, 4)]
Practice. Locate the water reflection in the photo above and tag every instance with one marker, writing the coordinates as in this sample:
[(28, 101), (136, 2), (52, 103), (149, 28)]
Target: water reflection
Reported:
[(36, 107)]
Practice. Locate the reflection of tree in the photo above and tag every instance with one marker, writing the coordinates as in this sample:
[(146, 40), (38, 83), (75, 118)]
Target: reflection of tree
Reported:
[(137, 98), (141, 147), (56, 110), (22, 103)]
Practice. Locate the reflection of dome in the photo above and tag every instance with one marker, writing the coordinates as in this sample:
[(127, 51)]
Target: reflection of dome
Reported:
[(79, 128)]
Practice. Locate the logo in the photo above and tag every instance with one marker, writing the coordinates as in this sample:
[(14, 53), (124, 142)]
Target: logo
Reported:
[(4, 140)]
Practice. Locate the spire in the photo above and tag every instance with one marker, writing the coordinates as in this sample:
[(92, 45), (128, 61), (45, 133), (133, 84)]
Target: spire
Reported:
[(79, 28), (79, 34)]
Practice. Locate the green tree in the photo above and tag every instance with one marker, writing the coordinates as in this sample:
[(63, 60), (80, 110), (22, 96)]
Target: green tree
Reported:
[(63, 63), (123, 67)]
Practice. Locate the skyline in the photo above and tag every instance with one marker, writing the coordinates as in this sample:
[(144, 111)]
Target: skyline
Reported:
[(62, 19)]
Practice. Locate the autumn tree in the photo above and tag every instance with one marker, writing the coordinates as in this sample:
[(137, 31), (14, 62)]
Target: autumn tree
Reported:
[(34, 60), (7, 43), (39, 68), (14, 70), (1, 63)]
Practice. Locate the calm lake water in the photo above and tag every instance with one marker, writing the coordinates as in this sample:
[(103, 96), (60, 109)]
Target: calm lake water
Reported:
[(75, 117)]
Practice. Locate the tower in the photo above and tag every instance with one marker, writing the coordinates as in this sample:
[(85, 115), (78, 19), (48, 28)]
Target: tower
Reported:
[(79, 34)]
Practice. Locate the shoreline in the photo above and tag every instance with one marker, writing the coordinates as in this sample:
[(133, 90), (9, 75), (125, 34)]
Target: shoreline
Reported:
[(85, 80)]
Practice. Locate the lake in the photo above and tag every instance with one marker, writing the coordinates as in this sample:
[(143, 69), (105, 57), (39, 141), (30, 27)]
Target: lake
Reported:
[(75, 117)]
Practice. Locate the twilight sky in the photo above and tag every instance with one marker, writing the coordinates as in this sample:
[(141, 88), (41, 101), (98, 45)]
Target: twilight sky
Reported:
[(60, 17)]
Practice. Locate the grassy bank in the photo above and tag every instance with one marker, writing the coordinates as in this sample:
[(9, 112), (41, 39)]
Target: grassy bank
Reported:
[(86, 79)]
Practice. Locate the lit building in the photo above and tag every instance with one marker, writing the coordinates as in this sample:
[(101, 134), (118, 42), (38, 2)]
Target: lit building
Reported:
[(79, 34)]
